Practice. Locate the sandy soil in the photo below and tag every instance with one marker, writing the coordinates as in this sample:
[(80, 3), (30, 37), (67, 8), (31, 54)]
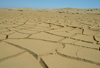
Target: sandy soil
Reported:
[(53, 38)]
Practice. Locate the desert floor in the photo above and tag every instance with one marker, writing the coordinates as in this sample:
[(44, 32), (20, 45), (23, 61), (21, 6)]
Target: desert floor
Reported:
[(53, 38)]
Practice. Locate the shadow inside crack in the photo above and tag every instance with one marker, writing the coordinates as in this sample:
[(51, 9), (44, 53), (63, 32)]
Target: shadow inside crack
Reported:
[(43, 64)]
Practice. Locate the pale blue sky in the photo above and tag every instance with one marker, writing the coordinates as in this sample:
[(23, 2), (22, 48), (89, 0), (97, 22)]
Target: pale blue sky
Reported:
[(50, 4)]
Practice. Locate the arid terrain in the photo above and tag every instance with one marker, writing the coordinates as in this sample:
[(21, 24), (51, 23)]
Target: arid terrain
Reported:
[(49, 38)]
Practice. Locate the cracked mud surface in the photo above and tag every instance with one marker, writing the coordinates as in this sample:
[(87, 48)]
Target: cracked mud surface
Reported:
[(49, 39)]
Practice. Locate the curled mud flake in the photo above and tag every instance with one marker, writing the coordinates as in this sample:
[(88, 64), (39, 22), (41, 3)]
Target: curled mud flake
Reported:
[(6, 36), (95, 41)]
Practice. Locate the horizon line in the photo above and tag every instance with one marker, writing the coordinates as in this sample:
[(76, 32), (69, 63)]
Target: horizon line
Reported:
[(50, 8)]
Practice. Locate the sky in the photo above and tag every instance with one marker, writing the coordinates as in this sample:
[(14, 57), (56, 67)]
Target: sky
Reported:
[(50, 4)]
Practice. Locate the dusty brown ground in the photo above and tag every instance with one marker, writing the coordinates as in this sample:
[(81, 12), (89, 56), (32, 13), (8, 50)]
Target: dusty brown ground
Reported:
[(57, 38)]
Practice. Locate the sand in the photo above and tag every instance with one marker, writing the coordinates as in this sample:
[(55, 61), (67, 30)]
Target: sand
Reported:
[(49, 38)]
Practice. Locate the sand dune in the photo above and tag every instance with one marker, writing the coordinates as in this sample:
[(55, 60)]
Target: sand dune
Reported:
[(49, 38)]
